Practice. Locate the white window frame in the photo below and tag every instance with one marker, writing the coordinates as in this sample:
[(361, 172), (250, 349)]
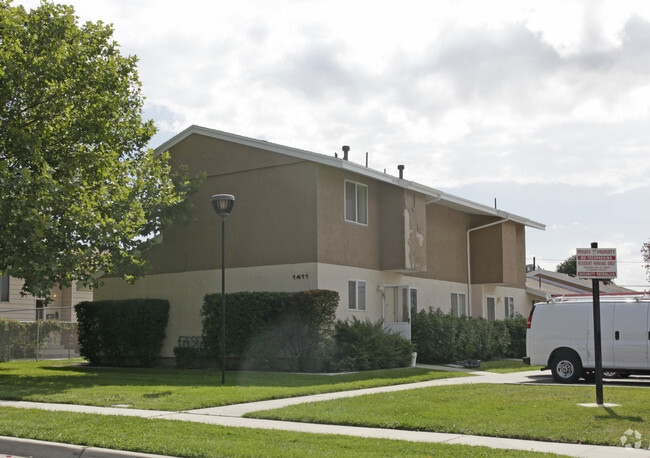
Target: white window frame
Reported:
[(355, 217), (509, 303), (487, 314), (459, 312), (358, 300)]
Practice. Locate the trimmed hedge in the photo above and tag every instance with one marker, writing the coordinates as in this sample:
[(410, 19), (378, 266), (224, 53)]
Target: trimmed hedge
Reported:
[(517, 329), (269, 330), (124, 333), (362, 345), (444, 338), (187, 357), (18, 339)]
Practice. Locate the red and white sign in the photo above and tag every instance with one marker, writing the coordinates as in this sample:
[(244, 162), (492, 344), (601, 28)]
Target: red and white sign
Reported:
[(598, 263)]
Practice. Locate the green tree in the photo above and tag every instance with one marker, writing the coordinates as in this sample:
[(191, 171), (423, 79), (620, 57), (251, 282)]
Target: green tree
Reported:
[(568, 266), (645, 250), (79, 190)]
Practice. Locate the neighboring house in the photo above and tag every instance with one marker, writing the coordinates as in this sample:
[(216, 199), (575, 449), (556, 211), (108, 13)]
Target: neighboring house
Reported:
[(304, 221), (542, 284), (14, 306)]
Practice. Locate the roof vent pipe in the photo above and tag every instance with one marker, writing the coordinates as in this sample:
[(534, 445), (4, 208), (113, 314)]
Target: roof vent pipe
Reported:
[(345, 149), (401, 171)]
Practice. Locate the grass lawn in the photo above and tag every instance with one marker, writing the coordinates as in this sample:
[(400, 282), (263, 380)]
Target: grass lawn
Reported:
[(506, 365), (177, 438), (546, 413), (69, 382)]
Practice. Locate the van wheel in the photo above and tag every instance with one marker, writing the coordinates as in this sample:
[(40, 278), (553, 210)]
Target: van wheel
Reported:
[(566, 367)]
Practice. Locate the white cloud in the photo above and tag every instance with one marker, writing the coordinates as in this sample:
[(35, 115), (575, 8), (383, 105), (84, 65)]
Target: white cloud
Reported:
[(494, 95)]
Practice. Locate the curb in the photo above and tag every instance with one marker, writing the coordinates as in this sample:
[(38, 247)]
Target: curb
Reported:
[(17, 448)]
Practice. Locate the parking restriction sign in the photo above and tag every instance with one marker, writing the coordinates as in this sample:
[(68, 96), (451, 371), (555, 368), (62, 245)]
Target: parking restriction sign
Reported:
[(596, 263)]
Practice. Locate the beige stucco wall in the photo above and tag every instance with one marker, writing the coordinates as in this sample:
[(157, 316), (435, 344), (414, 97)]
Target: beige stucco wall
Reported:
[(521, 300), (186, 290)]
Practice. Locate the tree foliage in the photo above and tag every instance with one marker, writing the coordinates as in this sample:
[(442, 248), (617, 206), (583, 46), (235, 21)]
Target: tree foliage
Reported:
[(79, 190), (645, 250), (568, 266)]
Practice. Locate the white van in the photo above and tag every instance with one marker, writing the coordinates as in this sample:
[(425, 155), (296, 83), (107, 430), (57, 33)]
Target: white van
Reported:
[(560, 336)]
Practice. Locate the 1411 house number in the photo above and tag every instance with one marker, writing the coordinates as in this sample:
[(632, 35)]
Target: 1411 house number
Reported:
[(301, 277)]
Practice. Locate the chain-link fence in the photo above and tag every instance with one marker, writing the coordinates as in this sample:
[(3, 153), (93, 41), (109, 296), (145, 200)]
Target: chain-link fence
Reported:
[(36, 333)]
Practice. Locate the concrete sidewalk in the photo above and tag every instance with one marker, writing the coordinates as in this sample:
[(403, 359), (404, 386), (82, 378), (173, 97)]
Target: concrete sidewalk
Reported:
[(231, 416)]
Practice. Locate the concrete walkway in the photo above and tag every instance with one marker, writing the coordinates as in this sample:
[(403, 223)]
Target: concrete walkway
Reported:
[(232, 416)]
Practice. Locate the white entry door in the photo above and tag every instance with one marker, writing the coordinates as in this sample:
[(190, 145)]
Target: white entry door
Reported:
[(396, 309)]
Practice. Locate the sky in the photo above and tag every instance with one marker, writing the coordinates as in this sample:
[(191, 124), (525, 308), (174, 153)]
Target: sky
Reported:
[(539, 107)]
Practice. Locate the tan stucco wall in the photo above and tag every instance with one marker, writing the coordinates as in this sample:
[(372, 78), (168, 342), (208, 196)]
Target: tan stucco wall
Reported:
[(393, 239), (487, 255), (499, 255), (263, 229), (446, 244), (339, 241), (288, 232), (403, 230)]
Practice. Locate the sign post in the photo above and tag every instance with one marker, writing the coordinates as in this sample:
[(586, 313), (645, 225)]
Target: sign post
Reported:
[(597, 264)]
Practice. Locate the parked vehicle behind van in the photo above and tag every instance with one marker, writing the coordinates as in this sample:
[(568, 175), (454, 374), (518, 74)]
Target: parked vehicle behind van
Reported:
[(560, 336)]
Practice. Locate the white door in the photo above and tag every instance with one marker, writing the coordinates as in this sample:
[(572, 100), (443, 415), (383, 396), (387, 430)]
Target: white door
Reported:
[(396, 309)]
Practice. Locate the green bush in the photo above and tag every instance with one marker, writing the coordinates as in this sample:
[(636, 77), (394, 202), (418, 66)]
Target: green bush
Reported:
[(362, 345), (122, 333), (444, 338), (187, 357), (268, 330), (517, 330)]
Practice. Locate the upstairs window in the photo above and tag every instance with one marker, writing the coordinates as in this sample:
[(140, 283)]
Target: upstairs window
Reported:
[(356, 202), (357, 295)]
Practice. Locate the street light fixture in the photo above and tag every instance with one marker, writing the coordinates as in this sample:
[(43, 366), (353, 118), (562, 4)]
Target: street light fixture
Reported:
[(222, 204)]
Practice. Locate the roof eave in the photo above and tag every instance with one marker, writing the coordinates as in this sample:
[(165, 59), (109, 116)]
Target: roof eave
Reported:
[(432, 195)]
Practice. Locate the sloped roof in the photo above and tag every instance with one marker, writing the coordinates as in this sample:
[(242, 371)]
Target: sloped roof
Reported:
[(555, 283), (431, 194)]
